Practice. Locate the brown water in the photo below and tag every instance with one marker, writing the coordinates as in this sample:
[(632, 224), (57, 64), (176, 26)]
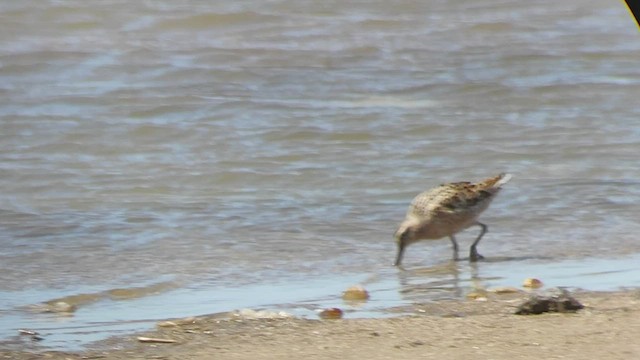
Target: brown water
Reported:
[(261, 154)]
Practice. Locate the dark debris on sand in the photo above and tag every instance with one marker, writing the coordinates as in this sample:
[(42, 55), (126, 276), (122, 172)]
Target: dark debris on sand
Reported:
[(557, 300)]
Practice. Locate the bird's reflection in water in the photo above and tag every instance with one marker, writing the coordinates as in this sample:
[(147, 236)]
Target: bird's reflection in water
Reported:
[(455, 279), (450, 280)]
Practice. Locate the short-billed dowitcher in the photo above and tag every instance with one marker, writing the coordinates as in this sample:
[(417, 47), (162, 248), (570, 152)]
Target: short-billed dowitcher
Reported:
[(446, 210)]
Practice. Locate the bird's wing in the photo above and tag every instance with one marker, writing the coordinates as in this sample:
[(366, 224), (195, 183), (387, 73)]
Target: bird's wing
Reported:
[(457, 197)]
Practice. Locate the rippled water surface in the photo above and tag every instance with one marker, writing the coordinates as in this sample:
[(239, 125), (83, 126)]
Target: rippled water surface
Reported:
[(261, 154)]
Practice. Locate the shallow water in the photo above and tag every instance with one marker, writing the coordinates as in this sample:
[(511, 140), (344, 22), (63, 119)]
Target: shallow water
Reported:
[(390, 290), (261, 154)]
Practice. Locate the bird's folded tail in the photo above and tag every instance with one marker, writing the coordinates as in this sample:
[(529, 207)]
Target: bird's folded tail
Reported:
[(495, 182)]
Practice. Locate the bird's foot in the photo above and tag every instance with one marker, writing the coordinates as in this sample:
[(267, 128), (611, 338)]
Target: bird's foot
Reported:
[(474, 256)]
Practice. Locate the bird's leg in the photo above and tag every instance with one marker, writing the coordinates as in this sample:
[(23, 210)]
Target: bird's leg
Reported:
[(473, 253), (455, 247)]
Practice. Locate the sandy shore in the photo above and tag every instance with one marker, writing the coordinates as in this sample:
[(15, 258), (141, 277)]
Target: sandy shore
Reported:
[(608, 328)]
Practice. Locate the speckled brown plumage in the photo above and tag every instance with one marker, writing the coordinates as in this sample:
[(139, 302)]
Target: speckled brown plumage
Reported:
[(446, 210)]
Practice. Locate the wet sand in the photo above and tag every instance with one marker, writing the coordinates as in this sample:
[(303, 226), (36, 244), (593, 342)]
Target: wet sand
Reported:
[(461, 329)]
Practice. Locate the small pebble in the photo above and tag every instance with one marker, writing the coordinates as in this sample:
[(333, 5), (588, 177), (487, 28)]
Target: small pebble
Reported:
[(355, 293), (532, 283), (331, 313)]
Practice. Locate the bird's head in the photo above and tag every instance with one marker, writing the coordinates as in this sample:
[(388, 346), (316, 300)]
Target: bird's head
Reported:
[(404, 236)]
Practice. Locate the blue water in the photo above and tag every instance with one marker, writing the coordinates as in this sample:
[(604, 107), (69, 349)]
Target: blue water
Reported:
[(262, 154)]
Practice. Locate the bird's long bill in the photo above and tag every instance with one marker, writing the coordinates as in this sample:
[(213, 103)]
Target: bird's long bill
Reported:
[(401, 247)]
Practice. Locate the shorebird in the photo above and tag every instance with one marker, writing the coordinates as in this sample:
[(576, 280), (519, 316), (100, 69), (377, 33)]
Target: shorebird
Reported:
[(446, 210)]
